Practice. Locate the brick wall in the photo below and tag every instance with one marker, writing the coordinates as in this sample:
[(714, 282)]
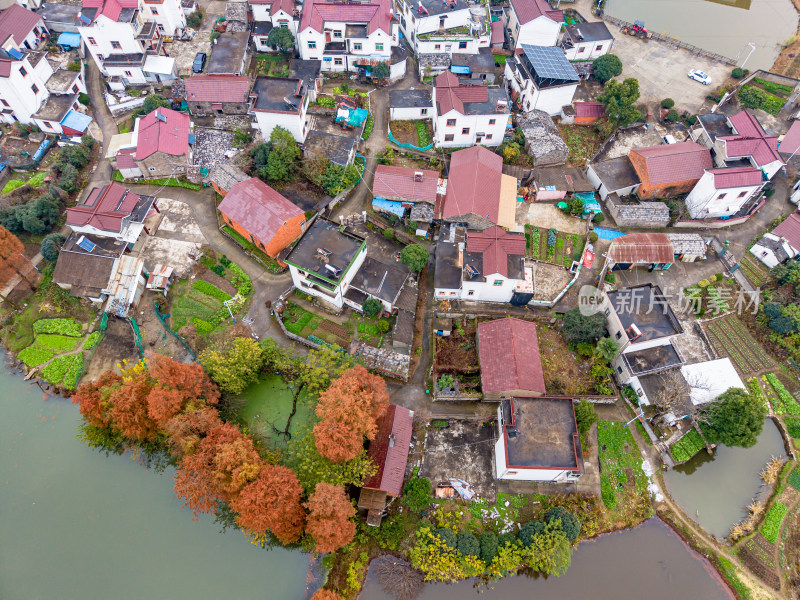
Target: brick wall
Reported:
[(284, 236), (228, 108), (648, 191)]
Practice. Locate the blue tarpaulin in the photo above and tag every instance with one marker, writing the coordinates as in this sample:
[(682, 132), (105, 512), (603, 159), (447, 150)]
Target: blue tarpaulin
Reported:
[(76, 121), (459, 69), (388, 206), (73, 40)]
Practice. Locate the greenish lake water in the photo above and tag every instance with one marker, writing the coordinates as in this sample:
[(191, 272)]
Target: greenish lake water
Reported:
[(268, 403)]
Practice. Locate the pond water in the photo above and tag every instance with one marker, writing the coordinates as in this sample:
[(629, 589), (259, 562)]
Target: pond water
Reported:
[(721, 26), (714, 490), (649, 561), (268, 403), (76, 524)]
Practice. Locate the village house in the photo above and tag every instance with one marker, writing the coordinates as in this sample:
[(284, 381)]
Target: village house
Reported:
[(158, 146), (229, 54), (633, 213), (614, 177), (126, 286), (403, 191), (541, 78), (388, 451), (123, 44), (478, 194), (533, 22), (281, 102), (350, 36), (218, 95), (167, 14), (444, 26), (669, 169), (722, 193), (325, 260), (538, 440), (582, 113), (268, 14), (410, 105), (653, 251), (468, 115), (237, 16), (482, 266), (508, 351), (260, 214), (554, 183), (85, 264), (112, 211), (26, 27), (474, 68), (309, 72), (324, 141), (687, 247), (779, 245), (543, 142), (738, 141), (586, 41), (61, 18), (223, 176)]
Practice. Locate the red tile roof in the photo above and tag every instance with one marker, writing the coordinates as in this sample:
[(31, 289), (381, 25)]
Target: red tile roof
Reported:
[(104, 208), (737, 177), (18, 22), (258, 208), (163, 130), (110, 8), (528, 10), (670, 163), (642, 248), (286, 5), (750, 140), (452, 96), (589, 109), (791, 141), (508, 351), (217, 88), (125, 159), (5, 67), (498, 34), (317, 12), (790, 230), (398, 183), (496, 245), (473, 185), (389, 450)]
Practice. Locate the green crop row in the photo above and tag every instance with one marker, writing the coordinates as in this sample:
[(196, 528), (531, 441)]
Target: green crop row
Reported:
[(59, 344), (64, 368), (773, 520), (33, 356), (210, 290), (61, 326), (686, 447)]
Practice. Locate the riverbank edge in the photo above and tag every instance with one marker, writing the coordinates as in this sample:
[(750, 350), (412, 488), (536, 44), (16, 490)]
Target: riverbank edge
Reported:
[(789, 52)]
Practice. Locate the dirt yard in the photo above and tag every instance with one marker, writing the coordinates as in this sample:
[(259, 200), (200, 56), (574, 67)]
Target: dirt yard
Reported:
[(549, 280), (583, 142), (404, 131), (458, 352), (563, 372), (542, 215), (302, 193), (117, 345)]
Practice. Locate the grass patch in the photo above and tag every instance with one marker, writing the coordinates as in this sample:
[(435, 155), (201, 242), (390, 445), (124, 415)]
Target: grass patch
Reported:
[(499, 59), (12, 184), (729, 572), (59, 344), (33, 356), (618, 454), (686, 447), (772, 522), (173, 182), (368, 126)]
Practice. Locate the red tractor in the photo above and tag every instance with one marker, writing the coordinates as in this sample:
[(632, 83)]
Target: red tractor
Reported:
[(638, 29)]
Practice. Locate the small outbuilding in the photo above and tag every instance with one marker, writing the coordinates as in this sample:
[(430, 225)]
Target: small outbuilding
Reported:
[(508, 351)]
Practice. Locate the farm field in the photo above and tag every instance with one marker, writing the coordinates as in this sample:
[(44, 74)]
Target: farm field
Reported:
[(552, 246), (686, 447), (730, 337), (754, 270), (620, 464)]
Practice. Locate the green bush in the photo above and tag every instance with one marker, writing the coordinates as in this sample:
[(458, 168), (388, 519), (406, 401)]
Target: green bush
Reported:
[(605, 67), (488, 542), (737, 73), (210, 290), (593, 236), (84, 99), (388, 233), (468, 544), (751, 97), (371, 307), (33, 356), (672, 116), (445, 381), (570, 524), (667, 103), (241, 280), (203, 327), (772, 522), (61, 326), (448, 536), (794, 479), (92, 340), (384, 326), (416, 494), (529, 530), (598, 218)]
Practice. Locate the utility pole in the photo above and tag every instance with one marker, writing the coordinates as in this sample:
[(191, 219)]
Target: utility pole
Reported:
[(752, 48)]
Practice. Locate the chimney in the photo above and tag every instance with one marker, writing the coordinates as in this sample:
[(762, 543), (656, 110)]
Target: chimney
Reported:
[(418, 176)]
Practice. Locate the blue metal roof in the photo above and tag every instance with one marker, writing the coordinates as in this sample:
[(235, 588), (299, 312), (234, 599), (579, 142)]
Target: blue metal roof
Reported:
[(76, 120), (72, 40), (388, 206)]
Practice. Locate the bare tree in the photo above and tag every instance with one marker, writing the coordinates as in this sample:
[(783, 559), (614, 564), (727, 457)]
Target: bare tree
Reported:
[(675, 393), (398, 578)]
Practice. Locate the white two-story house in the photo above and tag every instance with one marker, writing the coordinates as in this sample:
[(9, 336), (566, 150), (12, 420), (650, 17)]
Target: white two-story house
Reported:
[(533, 22), (468, 114), (541, 78), (349, 36), (124, 44), (268, 14), (723, 192), (444, 26), (281, 102), (167, 14)]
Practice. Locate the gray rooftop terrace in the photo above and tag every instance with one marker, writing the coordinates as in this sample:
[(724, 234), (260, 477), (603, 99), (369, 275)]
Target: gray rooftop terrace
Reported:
[(616, 173), (228, 52), (272, 93), (652, 360), (55, 107), (341, 248), (647, 308), (544, 433), (716, 124), (436, 7)]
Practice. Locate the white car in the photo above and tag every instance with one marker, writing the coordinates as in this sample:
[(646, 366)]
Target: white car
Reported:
[(700, 76)]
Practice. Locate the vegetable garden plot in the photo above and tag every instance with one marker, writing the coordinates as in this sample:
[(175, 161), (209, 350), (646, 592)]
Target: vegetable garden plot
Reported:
[(730, 337)]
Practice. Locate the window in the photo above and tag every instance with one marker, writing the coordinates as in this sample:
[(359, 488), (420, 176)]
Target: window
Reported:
[(152, 169), (35, 89), (154, 11), (75, 89), (492, 121), (451, 122), (441, 21), (516, 28), (160, 27), (471, 293), (337, 34), (357, 46), (452, 293), (128, 74), (448, 137), (378, 46), (312, 44), (284, 24), (423, 111), (465, 131), (741, 194), (22, 71), (619, 370), (264, 42), (92, 41), (721, 196), (337, 61), (116, 45), (497, 282), (5, 103), (619, 335), (581, 50), (607, 311), (488, 136), (462, 45), (437, 47), (598, 48)]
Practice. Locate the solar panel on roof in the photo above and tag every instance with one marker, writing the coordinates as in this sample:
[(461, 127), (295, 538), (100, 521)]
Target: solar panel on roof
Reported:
[(86, 244), (550, 62)]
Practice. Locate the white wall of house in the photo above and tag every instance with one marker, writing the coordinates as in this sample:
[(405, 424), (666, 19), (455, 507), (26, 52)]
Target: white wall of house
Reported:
[(464, 129), (705, 201), (414, 113), (443, 43), (377, 46), (767, 255), (261, 14), (542, 31), (168, 15), (594, 178), (448, 45), (17, 92), (589, 50), (720, 146), (503, 471), (101, 40), (335, 297), (298, 124), (496, 288), (133, 75), (550, 100)]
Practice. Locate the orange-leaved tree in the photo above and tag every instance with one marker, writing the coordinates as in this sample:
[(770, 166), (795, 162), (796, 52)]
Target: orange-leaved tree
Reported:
[(13, 263), (178, 386), (271, 502), (225, 461), (128, 405), (185, 430), (328, 522), (92, 399), (323, 594), (348, 410)]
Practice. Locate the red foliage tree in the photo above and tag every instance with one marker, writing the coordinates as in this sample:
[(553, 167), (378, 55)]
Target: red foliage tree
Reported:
[(92, 399), (272, 502), (329, 517), (13, 263), (185, 430), (129, 408), (348, 410), (178, 386), (225, 461), (325, 595)]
